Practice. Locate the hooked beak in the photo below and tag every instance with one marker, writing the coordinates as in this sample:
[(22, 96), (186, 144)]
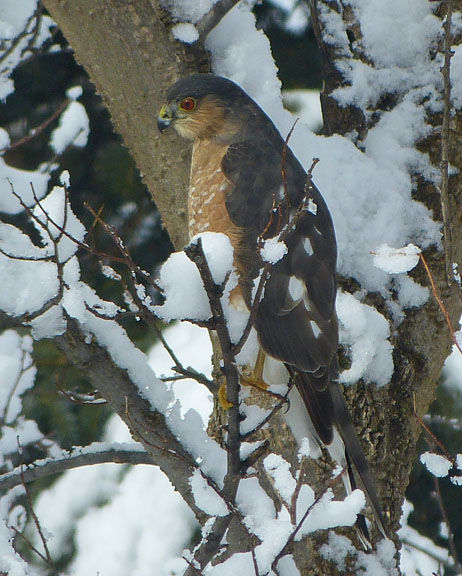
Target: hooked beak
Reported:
[(165, 118)]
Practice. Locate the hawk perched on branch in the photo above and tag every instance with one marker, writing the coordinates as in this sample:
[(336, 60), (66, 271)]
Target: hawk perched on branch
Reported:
[(246, 183)]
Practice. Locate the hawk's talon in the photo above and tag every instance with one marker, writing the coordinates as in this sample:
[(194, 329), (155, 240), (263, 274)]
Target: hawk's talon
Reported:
[(223, 398), (254, 382)]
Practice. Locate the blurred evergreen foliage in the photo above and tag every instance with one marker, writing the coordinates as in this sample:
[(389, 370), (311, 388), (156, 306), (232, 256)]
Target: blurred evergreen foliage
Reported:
[(445, 424), (293, 43)]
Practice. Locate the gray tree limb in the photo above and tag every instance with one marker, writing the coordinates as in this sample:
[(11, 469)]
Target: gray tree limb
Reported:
[(75, 459)]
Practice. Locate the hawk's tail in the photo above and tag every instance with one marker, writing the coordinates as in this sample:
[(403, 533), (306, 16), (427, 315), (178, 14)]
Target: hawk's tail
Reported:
[(331, 419), (354, 454)]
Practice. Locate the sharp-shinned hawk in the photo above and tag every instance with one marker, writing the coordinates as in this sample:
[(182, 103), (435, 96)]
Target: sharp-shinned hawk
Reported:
[(246, 183)]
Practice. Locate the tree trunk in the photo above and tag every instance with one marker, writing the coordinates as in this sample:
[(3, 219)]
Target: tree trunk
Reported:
[(131, 57), (389, 417)]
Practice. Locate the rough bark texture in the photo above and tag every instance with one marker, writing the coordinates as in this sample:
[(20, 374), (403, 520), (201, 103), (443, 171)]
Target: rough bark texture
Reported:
[(131, 57), (386, 418)]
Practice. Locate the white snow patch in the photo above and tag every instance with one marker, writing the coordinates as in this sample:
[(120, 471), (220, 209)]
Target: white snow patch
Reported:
[(73, 128), (396, 260), (306, 105), (205, 497), (329, 513), (273, 250), (279, 471), (181, 282), (185, 32), (436, 464), (365, 332)]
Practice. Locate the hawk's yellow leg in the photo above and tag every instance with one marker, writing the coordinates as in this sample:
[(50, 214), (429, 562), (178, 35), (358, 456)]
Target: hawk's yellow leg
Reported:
[(255, 379)]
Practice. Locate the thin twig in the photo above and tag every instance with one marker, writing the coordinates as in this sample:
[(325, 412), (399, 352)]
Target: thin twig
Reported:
[(283, 169), (434, 438), (29, 544), (49, 559), (445, 517), (294, 533), (126, 256), (440, 303), (254, 309), (35, 132)]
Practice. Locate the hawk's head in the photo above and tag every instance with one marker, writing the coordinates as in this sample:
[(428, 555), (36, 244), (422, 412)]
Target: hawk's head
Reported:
[(203, 105)]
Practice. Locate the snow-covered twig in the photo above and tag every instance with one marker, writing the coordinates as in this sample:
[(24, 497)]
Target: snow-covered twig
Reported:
[(196, 254), (92, 399), (89, 456), (214, 16), (297, 528), (23, 33)]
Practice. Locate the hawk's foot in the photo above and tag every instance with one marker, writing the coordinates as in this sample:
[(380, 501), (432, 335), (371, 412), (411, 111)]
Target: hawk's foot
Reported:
[(223, 398)]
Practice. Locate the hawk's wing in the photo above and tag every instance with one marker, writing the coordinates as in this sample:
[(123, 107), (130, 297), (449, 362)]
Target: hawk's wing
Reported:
[(296, 320)]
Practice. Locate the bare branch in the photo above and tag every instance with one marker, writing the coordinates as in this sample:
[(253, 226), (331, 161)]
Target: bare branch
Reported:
[(445, 518), (35, 132), (36, 520)]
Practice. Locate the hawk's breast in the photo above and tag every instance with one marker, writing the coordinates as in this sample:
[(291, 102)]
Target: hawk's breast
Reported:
[(207, 210), (207, 190)]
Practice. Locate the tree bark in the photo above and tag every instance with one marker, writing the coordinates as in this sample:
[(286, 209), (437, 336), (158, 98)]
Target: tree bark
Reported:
[(131, 57), (388, 418)]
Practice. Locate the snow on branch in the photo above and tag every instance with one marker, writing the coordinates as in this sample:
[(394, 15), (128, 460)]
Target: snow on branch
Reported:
[(96, 453)]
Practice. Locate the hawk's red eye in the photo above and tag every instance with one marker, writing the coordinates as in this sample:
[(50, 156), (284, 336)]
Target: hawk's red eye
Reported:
[(188, 104)]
